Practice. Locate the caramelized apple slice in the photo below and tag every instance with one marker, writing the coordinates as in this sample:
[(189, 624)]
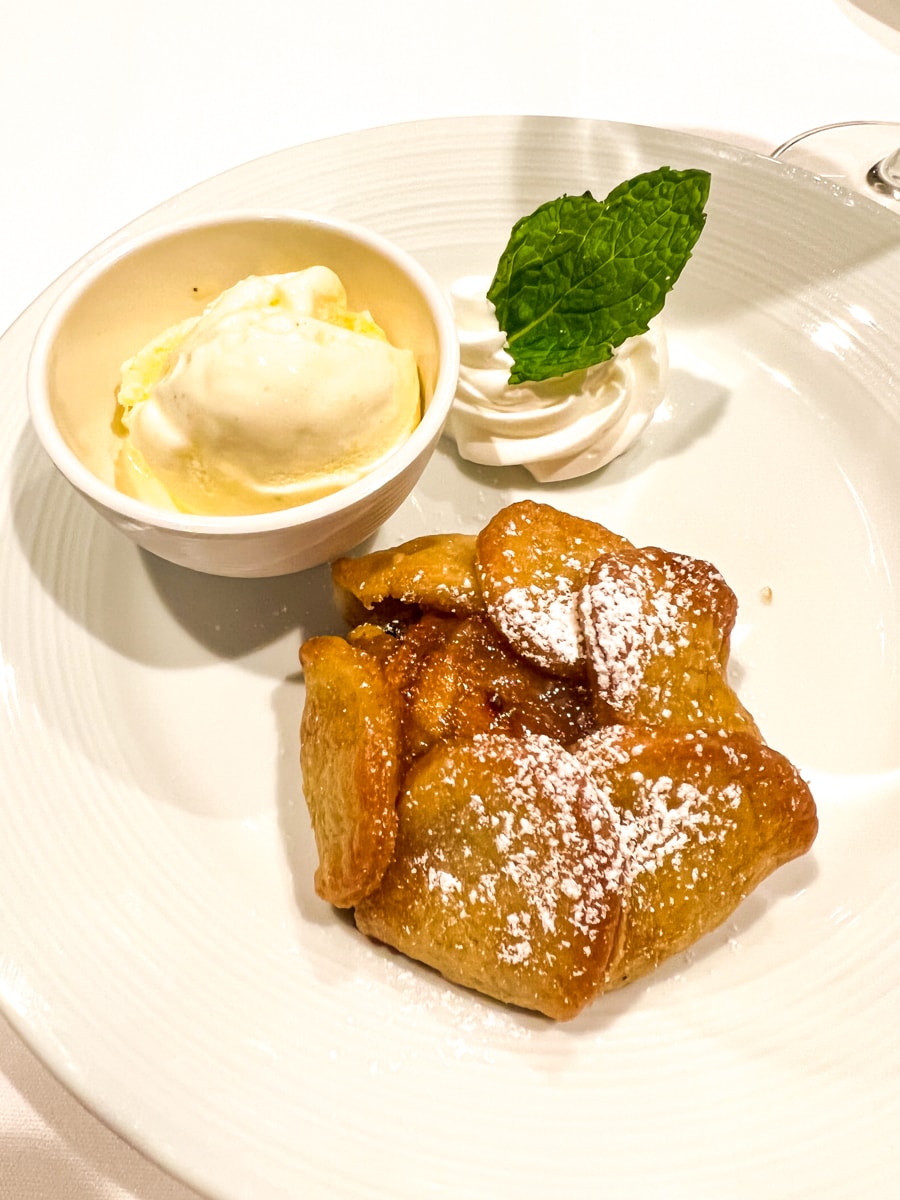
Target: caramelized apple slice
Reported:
[(435, 572), (404, 648), (349, 756), (532, 562), (657, 628), (506, 873), (475, 684)]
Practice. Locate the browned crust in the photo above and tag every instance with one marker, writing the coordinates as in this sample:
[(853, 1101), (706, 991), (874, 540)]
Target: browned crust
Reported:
[(532, 562), (349, 756)]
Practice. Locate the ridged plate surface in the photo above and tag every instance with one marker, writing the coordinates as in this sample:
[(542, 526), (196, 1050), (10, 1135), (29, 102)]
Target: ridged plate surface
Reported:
[(160, 944)]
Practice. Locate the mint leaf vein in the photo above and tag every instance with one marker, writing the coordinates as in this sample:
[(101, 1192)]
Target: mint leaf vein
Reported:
[(579, 276)]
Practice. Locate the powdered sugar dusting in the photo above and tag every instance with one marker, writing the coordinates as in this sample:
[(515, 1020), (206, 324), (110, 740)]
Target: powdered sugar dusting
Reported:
[(667, 818), (557, 846), (663, 817), (627, 620), (444, 881), (545, 619)]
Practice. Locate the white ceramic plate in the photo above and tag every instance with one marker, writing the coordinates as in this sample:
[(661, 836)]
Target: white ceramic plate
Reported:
[(160, 943)]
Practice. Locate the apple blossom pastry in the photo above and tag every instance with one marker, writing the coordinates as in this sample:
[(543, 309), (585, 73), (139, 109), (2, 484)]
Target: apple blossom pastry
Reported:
[(546, 796)]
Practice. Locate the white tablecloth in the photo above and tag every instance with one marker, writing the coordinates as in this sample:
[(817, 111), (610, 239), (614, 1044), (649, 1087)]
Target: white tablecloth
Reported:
[(107, 109)]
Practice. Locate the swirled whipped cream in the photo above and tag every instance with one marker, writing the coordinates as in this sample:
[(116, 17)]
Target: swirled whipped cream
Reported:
[(559, 428)]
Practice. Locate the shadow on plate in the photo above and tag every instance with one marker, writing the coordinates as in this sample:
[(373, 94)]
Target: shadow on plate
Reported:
[(492, 1026), (294, 828), (100, 580), (233, 617)]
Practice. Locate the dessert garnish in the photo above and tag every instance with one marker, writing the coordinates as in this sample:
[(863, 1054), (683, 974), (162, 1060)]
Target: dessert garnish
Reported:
[(579, 275), (563, 358)]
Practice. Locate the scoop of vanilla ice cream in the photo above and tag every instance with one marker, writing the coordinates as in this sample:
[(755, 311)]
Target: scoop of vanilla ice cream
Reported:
[(277, 394), (558, 428)]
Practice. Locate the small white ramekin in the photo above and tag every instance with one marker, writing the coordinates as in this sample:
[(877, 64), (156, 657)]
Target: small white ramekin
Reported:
[(142, 286)]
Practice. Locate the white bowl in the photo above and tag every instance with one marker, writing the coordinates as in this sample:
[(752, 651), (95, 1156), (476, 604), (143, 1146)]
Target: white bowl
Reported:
[(118, 303)]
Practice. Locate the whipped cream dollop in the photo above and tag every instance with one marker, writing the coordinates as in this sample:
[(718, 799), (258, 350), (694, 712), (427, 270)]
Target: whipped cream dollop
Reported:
[(559, 428)]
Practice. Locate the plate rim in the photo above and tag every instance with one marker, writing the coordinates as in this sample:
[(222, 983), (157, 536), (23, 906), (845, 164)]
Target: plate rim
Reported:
[(733, 154)]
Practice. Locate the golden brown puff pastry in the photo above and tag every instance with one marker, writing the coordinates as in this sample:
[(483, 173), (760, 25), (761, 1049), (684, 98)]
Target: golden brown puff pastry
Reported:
[(656, 629), (506, 875), (404, 647), (350, 761), (458, 677), (539, 874), (476, 684), (704, 818)]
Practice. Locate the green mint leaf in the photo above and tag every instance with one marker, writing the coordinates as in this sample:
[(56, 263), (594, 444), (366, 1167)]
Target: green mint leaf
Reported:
[(580, 275)]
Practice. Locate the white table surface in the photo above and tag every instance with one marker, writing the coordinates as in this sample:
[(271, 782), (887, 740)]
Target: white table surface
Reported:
[(108, 108)]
